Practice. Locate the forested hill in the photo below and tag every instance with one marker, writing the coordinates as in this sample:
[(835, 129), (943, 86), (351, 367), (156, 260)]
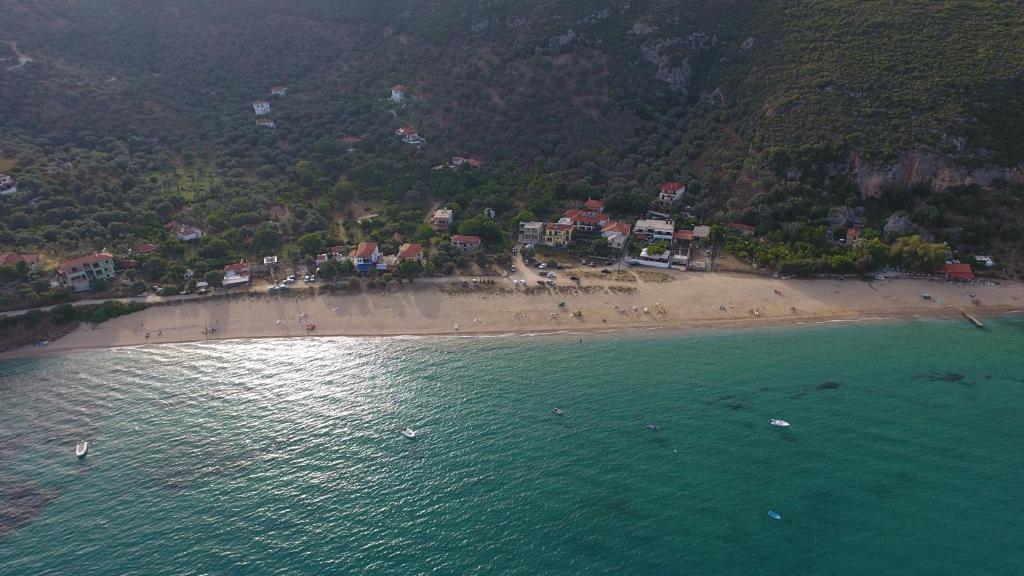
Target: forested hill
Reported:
[(748, 99)]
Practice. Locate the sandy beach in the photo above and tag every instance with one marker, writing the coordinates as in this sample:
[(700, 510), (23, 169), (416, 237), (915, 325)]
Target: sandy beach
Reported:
[(625, 300)]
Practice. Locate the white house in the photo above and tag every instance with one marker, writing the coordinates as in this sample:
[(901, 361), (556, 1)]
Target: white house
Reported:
[(671, 192), (466, 243), (616, 233), (7, 185), (235, 274), (531, 232), (397, 93), (366, 256), (654, 230), (183, 232), (78, 274), (261, 107), (442, 219), (266, 123), (278, 90)]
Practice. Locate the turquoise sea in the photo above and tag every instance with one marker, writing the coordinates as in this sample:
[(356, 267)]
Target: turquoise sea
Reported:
[(905, 455)]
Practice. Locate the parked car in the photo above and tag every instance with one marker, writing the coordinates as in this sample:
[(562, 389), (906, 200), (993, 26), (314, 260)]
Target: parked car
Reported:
[(574, 278), (551, 275), (513, 268), (605, 271), (542, 265)]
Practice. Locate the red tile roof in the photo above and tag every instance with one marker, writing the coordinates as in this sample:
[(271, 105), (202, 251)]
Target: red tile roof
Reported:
[(144, 248), (585, 217), (398, 87), (12, 259), (743, 227), (464, 239), (596, 205), (365, 249), (958, 271), (616, 227), (683, 235), (410, 251), (852, 234), (406, 131), (90, 259), (239, 267), (351, 139), (672, 187)]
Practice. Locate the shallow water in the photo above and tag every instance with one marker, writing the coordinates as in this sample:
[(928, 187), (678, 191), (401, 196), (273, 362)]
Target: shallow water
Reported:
[(284, 456)]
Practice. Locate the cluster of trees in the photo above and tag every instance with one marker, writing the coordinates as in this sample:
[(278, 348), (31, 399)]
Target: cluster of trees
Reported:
[(864, 255)]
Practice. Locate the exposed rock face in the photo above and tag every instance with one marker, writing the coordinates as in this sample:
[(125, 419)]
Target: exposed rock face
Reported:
[(926, 168), (674, 71)]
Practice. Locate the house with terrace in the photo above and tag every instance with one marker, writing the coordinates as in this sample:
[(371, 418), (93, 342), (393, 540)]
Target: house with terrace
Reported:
[(616, 233), (586, 221), (79, 273), (531, 232), (365, 257), (558, 235), (466, 243), (412, 253), (671, 193), (654, 230), (236, 274)]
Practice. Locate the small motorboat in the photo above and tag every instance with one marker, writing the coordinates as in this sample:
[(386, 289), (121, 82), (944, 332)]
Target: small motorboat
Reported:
[(774, 515), (81, 448), (652, 426), (779, 423), (557, 411), (408, 432)]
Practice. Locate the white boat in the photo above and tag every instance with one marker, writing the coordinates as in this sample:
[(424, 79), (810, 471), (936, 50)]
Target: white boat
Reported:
[(557, 411), (779, 423), (408, 432), (81, 448)]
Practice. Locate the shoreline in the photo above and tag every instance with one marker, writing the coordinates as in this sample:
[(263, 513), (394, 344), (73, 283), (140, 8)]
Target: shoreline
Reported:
[(665, 302)]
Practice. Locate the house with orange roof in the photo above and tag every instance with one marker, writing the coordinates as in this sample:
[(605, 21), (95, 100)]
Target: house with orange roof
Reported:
[(236, 274), (558, 235), (616, 233), (466, 243), (594, 205), (671, 192), (33, 261), (586, 220), (365, 256), (412, 252), (958, 272), (78, 274), (397, 93), (742, 229)]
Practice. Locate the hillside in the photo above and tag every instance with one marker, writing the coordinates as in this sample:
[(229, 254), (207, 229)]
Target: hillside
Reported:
[(130, 114)]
